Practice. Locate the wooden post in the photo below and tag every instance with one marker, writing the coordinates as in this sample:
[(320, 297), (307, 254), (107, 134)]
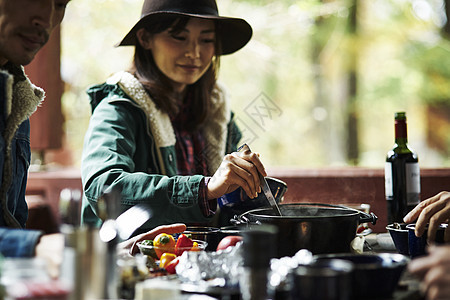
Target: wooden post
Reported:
[(44, 71)]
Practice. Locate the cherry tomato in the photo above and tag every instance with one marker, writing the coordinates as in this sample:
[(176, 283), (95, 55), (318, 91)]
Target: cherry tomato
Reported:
[(360, 228), (228, 241)]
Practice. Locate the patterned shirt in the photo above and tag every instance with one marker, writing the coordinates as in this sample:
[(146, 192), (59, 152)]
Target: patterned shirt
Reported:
[(191, 160)]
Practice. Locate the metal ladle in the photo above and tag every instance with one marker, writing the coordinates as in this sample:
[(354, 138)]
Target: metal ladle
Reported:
[(264, 186)]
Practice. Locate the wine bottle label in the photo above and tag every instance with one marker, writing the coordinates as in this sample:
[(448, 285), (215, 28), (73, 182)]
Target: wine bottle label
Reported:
[(388, 185), (412, 176), (412, 172)]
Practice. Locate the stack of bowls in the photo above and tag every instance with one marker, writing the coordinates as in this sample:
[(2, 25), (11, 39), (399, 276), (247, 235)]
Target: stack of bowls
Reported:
[(374, 275), (406, 242)]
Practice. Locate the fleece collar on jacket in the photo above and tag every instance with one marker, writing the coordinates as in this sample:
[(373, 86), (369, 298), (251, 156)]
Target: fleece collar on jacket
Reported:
[(214, 129), (22, 100)]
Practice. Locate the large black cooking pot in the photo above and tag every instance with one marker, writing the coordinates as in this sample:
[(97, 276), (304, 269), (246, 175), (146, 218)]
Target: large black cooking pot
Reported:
[(320, 228)]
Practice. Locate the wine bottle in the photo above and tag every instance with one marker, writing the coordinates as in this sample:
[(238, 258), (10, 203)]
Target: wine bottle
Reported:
[(401, 174)]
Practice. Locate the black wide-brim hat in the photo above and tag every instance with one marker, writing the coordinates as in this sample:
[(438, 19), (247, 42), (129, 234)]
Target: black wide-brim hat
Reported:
[(234, 33)]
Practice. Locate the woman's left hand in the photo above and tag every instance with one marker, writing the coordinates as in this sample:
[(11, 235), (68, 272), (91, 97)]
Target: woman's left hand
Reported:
[(129, 246)]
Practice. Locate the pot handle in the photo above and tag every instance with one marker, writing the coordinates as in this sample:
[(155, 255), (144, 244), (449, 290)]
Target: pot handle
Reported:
[(366, 218), (242, 220), (239, 220)]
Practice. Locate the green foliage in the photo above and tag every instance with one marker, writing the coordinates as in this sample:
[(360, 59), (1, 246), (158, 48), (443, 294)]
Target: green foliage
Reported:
[(434, 64), (298, 60)]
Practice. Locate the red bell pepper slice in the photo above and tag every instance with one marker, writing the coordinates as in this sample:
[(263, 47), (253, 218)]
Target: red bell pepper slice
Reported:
[(183, 244)]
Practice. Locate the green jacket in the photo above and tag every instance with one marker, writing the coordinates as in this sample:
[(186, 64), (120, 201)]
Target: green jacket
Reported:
[(130, 145)]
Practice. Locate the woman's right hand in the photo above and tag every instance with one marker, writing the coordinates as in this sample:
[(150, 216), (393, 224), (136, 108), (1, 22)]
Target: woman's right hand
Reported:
[(238, 169)]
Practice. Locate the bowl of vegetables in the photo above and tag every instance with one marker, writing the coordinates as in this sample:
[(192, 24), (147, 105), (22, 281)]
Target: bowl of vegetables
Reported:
[(166, 248)]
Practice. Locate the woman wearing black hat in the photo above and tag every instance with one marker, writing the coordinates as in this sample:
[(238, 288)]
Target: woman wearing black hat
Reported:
[(160, 132)]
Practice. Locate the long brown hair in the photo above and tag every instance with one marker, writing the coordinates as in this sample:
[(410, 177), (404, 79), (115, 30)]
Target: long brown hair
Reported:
[(158, 85)]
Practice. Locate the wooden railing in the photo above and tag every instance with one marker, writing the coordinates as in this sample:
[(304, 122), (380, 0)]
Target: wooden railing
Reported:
[(352, 185), (329, 185)]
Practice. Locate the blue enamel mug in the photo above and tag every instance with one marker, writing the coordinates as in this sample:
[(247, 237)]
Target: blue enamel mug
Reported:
[(418, 244)]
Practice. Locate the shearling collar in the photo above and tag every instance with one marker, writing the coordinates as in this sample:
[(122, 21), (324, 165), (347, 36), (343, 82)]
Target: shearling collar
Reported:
[(214, 130), (22, 99)]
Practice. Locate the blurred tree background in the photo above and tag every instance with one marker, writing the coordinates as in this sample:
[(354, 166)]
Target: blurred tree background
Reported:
[(317, 86)]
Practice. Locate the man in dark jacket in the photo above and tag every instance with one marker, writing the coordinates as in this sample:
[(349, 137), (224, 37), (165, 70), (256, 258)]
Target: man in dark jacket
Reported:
[(25, 27)]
